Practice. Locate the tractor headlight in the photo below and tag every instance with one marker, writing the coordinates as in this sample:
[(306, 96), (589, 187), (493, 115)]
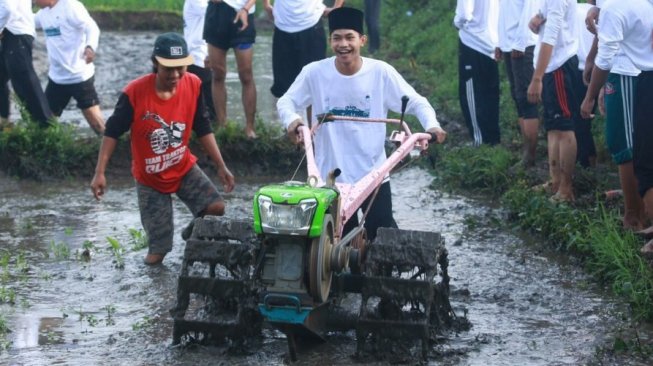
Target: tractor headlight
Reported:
[(286, 219)]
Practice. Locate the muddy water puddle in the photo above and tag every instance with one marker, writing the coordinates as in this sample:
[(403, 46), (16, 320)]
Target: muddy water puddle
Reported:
[(525, 308)]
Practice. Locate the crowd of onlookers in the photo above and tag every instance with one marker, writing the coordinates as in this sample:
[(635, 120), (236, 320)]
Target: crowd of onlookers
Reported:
[(570, 57)]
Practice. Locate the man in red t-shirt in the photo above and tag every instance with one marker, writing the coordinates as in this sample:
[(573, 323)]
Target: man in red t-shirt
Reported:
[(160, 110)]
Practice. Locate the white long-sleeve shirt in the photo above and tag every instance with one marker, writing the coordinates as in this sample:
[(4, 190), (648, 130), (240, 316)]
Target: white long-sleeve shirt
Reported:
[(293, 16), (477, 23), (625, 28), (561, 30), (194, 12), (68, 29), (354, 147), (17, 17), (585, 37), (514, 16)]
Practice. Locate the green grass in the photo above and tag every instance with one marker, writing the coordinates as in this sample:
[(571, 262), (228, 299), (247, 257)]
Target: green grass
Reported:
[(136, 5)]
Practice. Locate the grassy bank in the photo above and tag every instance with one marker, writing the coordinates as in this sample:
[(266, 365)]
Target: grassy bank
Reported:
[(30, 152), (418, 39)]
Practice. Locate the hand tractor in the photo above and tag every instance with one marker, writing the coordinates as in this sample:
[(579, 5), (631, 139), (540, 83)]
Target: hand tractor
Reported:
[(292, 266)]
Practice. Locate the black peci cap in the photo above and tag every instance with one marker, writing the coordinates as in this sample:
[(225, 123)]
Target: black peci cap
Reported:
[(346, 18)]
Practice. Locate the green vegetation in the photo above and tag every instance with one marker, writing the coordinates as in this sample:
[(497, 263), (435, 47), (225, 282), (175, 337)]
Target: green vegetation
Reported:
[(420, 41), (135, 5), (30, 151)]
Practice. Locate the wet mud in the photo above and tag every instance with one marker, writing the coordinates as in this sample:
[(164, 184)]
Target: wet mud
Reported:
[(525, 307), (81, 294)]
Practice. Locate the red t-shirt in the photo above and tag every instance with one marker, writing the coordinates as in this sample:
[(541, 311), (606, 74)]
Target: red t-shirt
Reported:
[(160, 131)]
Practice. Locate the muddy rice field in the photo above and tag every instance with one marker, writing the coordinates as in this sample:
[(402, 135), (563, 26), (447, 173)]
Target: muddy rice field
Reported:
[(80, 294)]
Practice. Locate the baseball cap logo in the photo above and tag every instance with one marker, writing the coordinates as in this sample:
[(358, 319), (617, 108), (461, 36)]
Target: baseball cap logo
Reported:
[(176, 51)]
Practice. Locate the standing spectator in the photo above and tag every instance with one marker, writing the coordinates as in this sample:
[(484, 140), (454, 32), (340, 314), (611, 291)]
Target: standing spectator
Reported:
[(478, 73), (586, 148), (369, 88), (71, 38), (4, 94), (618, 94), (627, 26), (372, 14), (18, 32), (553, 84), (516, 44), (161, 110), (298, 38), (194, 12), (230, 24)]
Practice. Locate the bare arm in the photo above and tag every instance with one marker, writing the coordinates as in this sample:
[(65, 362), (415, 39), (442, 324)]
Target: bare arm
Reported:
[(99, 182), (211, 147), (535, 88)]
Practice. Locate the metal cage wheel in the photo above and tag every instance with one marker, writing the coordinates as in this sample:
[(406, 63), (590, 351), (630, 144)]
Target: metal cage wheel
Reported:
[(319, 271)]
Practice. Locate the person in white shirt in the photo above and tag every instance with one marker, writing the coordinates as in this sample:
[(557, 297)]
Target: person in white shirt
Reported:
[(516, 46), (364, 87), (71, 38), (17, 37), (193, 14), (298, 38), (553, 85), (4, 94), (618, 103), (230, 24), (478, 72), (627, 26), (586, 148)]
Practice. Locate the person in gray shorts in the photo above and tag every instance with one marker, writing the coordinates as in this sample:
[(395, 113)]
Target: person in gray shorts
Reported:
[(161, 110)]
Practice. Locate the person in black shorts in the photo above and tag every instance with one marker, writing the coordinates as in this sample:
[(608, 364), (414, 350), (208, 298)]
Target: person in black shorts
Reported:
[(228, 27)]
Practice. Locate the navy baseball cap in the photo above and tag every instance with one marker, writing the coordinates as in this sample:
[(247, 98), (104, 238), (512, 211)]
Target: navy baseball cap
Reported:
[(171, 50)]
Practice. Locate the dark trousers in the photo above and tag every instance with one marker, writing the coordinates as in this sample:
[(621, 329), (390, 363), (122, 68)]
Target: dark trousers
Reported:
[(642, 132), (372, 14), (292, 51), (17, 57), (583, 128), (380, 214), (205, 75), (478, 90)]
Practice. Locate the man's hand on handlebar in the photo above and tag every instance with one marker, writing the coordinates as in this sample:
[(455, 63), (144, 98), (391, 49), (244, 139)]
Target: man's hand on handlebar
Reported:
[(437, 134), (294, 133)]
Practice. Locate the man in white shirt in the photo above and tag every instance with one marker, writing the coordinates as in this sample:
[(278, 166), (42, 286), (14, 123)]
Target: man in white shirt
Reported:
[(364, 87), (298, 38), (553, 84), (478, 72), (17, 36), (193, 13), (516, 47), (619, 94), (71, 38), (230, 24), (627, 26)]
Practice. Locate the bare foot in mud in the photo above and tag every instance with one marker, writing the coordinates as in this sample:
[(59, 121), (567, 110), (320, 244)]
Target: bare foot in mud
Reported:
[(647, 250), (250, 133), (633, 222), (152, 259), (646, 233), (562, 198), (547, 187)]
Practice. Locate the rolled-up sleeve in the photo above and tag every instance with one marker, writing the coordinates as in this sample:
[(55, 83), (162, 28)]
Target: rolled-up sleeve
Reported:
[(611, 34)]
